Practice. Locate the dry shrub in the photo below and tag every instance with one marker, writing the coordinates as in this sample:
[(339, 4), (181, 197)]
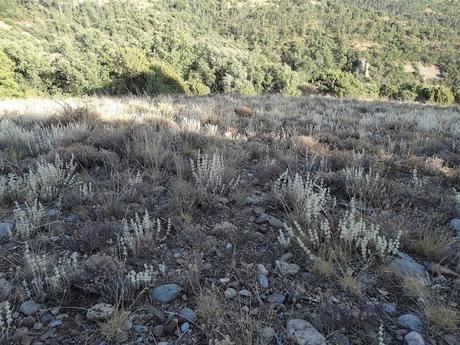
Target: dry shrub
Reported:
[(83, 114), (113, 330), (94, 237), (89, 156), (442, 317), (162, 123), (244, 111), (308, 143)]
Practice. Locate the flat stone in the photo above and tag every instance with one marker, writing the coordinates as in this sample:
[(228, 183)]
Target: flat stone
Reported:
[(414, 338), (339, 339), (6, 229), (184, 327), (389, 308), (5, 289), (245, 293), (455, 224), (166, 293), (188, 314), (55, 323), (73, 218), (99, 312), (408, 267), (140, 329), (262, 269), (286, 268), (230, 293), (29, 307), (303, 333), (158, 330), (267, 333), (411, 322), (262, 280), (263, 218), (275, 222), (276, 298)]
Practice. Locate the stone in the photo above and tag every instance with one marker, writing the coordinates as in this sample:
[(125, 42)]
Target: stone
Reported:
[(286, 257), (414, 338), (140, 329), (184, 327), (245, 293), (166, 293), (28, 322), (408, 267), (38, 326), (267, 333), (389, 308), (276, 298), (188, 314), (5, 289), (262, 280), (454, 223), (29, 307), (262, 269), (411, 322), (303, 333), (27, 340), (263, 218), (259, 210), (286, 268), (339, 339), (73, 218), (230, 293), (99, 312), (53, 213), (275, 222), (55, 323), (158, 330), (5, 229), (47, 317)]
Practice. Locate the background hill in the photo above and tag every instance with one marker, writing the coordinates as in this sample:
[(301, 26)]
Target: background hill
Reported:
[(408, 48)]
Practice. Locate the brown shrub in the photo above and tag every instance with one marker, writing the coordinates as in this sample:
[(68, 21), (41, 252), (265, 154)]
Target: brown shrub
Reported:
[(244, 111)]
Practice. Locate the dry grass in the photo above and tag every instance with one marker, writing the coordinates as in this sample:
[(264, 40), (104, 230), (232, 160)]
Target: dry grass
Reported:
[(441, 317)]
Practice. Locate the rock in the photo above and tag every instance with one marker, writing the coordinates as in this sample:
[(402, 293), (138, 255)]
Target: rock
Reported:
[(47, 317), (286, 257), (267, 333), (262, 269), (38, 326), (275, 222), (20, 333), (27, 340), (408, 267), (339, 339), (262, 280), (263, 218), (29, 307), (73, 218), (303, 333), (28, 322), (184, 327), (414, 338), (245, 293), (286, 268), (411, 322), (158, 331), (166, 293), (5, 289), (140, 329), (455, 224), (6, 229), (258, 210), (99, 312), (53, 213), (440, 280), (188, 314), (276, 298), (230, 293), (55, 323), (389, 308)]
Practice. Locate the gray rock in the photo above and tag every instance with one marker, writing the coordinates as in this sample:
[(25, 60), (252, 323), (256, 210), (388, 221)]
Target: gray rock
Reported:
[(52, 213), (5, 229), (188, 314), (276, 298), (230, 293), (389, 308), (286, 257), (73, 218), (55, 323), (414, 338), (99, 312), (303, 333), (184, 327), (38, 326), (262, 269), (158, 330), (408, 267), (286, 268), (166, 293), (263, 218), (140, 329), (275, 222), (245, 293), (47, 317), (455, 224), (262, 280), (259, 210), (440, 280), (339, 339), (411, 322), (5, 289), (267, 333), (29, 307)]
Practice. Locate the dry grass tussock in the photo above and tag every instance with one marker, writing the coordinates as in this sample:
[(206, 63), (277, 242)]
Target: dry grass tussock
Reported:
[(107, 198)]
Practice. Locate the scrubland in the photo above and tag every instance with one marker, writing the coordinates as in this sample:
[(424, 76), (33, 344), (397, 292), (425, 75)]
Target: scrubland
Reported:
[(229, 220)]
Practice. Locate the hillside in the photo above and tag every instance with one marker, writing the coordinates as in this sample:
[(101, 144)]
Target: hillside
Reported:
[(229, 220), (405, 50)]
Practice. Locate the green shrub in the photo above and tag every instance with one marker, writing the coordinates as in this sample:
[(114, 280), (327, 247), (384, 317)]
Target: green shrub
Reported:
[(281, 79), (434, 94), (8, 86), (339, 84)]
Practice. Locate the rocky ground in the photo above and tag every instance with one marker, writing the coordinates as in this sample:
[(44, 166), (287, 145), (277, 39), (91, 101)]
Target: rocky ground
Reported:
[(212, 261)]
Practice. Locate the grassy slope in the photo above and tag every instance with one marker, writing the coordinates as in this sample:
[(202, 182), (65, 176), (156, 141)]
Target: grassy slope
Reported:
[(136, 155)]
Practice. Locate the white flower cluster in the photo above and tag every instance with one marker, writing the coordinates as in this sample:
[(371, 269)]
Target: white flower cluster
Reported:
[(417, 181), (365, 236), (306, 198), (86, 191), (208, 173), (47, 275), (6, 321), (45, 182), (359, 183), (143, 278), (194, 126), (28, 219), (137, 233)]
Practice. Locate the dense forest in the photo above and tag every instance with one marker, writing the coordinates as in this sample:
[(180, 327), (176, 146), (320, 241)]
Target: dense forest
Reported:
[(405, 50)]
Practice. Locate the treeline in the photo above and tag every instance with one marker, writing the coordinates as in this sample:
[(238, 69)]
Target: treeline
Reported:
[(248, 47)]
